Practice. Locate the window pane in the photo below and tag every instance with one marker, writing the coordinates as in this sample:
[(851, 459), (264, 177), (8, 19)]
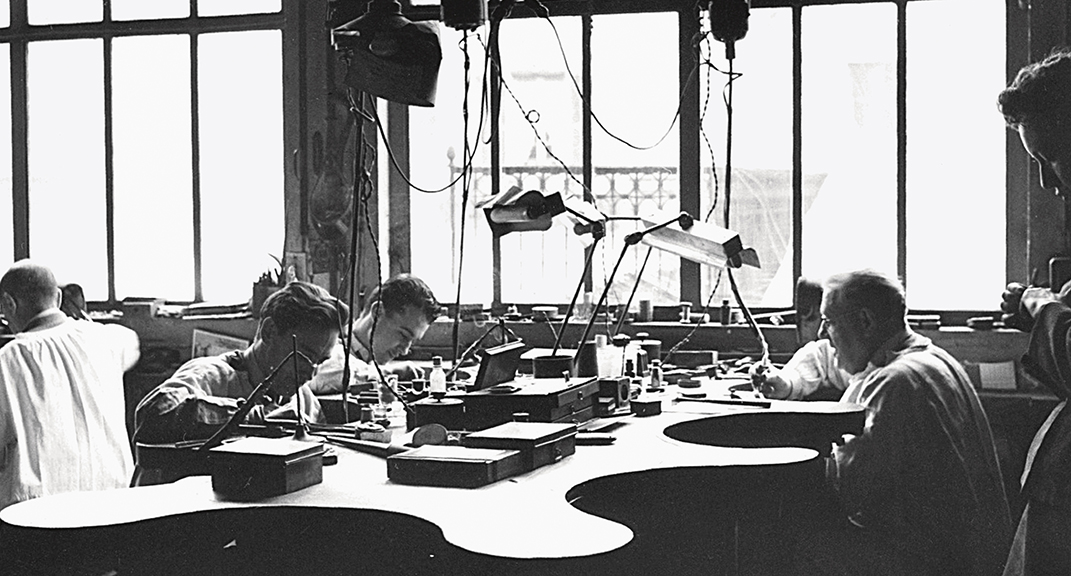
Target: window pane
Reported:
[(230, 7), (152, 167), (240, 88), (437, 156), (541, 144), (5, 14), (955, 156), (635, 94), (761, 189), (64, 12), (66, 161), (849, 137), (6, 227), (142, 10)]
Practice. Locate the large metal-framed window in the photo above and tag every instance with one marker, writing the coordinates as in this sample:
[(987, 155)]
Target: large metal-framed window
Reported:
[(146, 143), (923, 187)]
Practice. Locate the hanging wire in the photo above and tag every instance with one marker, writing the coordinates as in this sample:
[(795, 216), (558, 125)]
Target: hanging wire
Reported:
[(583, 97), (466, 182), (467, 160)]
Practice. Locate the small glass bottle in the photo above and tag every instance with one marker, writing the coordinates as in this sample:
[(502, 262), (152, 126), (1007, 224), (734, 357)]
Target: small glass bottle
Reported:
[(437, 378), (656, 376)]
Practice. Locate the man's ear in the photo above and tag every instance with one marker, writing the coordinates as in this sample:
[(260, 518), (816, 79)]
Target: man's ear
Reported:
[(375, 309), (868, 320), (8, 301), (268, 330)]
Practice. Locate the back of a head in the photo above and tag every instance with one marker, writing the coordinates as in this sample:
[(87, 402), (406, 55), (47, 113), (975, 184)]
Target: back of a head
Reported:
[(403, 291), (808, 303), (872, 290), (303, 305), (74, 301), (30, 284), (808, 296), (1041, 92)]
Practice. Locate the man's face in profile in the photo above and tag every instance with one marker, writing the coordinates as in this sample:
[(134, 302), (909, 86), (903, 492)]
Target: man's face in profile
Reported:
[(1049, 144), (395, 332)]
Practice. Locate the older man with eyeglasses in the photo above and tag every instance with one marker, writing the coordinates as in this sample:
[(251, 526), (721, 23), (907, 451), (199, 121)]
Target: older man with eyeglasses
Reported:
[(920, 486)]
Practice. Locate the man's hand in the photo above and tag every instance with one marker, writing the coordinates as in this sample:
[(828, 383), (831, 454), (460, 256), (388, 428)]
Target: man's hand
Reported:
[(1034, 298), (405, 371), (1013, 316), (767, 381), (1022, 304)]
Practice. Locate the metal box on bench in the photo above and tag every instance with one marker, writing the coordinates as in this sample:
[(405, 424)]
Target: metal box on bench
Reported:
[(543, 399), (540, 443), (251, 468), (453, 466)]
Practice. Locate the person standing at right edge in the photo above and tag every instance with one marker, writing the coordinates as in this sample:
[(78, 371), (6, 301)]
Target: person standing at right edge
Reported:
[(1038, 105)]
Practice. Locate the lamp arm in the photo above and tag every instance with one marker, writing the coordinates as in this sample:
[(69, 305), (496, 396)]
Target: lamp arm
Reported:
[(576, 293), (635, 286), (685, 219), (602, 297)]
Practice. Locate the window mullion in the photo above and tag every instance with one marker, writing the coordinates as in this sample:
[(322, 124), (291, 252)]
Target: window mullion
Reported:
[(20, 180), (797, 142), (901, 140), (109, 170), (195, 148), (690, 166)]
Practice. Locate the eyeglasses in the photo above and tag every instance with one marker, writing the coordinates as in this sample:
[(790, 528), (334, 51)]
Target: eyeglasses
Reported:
[(831, 321)]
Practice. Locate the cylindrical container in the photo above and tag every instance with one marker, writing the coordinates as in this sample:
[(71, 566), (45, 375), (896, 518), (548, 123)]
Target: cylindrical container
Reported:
[(609, 357), (656, 375), (437, 378), (653, 348), (551, 366), (450, 412), (641, 361), (587, 359), (645, 314)]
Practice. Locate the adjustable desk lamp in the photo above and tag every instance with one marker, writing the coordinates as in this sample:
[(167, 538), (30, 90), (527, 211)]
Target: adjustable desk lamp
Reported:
[(517, 210), (688, 238)]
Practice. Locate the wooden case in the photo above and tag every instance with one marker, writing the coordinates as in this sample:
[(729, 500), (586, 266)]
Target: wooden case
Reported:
[(543, 399), (453, 466), (251, 468), (540, 443)]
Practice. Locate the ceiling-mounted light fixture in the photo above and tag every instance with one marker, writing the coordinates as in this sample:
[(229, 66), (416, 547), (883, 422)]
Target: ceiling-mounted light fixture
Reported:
[(390, 56), (463, 14)]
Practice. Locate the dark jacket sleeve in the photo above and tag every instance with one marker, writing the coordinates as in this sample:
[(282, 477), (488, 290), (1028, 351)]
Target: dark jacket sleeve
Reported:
[(1048, 357)]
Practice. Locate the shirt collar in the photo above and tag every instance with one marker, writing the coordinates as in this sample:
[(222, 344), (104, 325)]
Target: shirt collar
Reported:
[(48, 319), (358, 349), (903, 341)]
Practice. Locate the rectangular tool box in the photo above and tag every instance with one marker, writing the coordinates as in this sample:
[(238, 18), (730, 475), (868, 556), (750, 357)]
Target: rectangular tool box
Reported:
[(540, 443)]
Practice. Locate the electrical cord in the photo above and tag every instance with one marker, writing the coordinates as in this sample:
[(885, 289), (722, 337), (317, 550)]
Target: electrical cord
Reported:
[(467, 160), (466, 181), (680, 101)]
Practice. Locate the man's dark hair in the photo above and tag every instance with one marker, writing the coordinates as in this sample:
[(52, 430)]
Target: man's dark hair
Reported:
[(808, 298), (403, 291), (1040, 92), (303, 305)]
